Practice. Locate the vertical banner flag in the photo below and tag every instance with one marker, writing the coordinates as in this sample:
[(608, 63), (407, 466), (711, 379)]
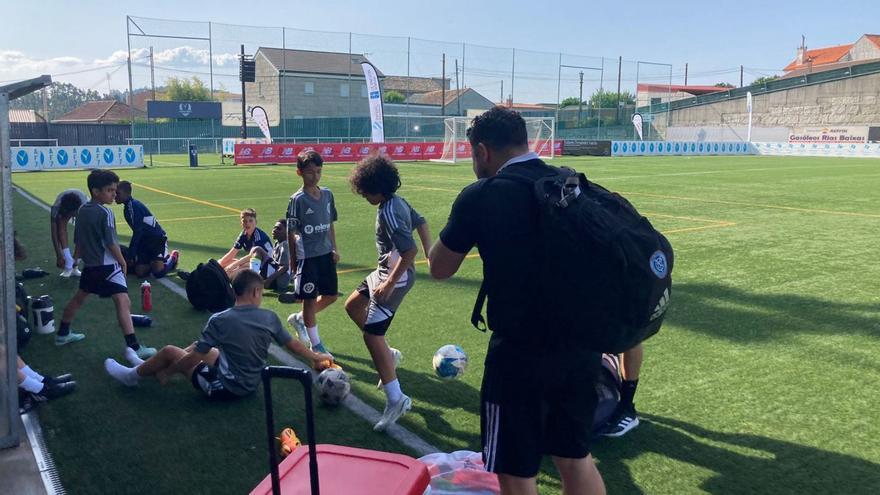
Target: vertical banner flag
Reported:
[(637, 123), (259, 115), (375, 94), (749, 109)]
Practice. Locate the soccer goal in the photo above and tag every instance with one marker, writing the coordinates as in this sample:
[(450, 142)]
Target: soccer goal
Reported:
[(456, 147)]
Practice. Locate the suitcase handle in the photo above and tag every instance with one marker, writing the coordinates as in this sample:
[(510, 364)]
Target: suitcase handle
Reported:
[(305, 378)]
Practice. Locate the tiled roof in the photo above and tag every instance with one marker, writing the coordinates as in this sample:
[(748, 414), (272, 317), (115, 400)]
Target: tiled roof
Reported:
[(874, 38), (24, 115), (436, 97), (820, 56), (100, 111), (311, 62), (412, 84)]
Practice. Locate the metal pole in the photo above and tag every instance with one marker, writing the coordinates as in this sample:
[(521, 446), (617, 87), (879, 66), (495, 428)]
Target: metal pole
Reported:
[(130, 85), (619, 70), (740, 76), (210, 60), (462, 65), (281, 81), (152, 75), (580, 97), (457, 88), (406, 100), (349, 86), (685, 74), (8, 398), (243, 98), (558, 95), (443, 87), (512, 74), (501, 102)]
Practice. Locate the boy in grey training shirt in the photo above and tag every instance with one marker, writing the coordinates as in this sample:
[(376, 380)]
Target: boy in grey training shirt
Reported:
[(373, 304), (226, 361), (310, 216)]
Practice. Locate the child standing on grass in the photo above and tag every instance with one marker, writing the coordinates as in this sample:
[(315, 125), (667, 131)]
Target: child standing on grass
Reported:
[(373, 304), (310, 216), (96, 244)]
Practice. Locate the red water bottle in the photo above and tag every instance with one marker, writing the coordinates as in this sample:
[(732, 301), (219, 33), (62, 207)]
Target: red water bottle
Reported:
[(146, 297)]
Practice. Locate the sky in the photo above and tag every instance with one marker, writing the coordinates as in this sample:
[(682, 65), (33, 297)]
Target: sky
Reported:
[(85, 42)]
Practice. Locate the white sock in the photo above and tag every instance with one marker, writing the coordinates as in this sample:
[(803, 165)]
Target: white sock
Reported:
[(132, 357), (31, 384), (313, 335), (127, 376), (68, 258), (31, 373), (393, 392)]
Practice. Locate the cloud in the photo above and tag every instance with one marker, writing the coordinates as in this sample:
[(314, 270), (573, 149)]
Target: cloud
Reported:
[(184, 57)]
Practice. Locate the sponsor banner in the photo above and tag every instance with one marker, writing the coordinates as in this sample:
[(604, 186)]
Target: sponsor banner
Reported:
[(829, 135), (855, 150), (677, 148), (637, 124), (184, 109), (578, 147), (259, 115), (31, 158), (374, 92), (229, 144)]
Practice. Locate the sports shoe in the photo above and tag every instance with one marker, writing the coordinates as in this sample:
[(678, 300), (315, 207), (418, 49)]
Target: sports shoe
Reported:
[(393, 412), (55, 391), (396, 355), (296, 321), (61, 340), (319, 347), (622, 422), (183, 274), (66, 273), (174, 257), (74, 272), (54, 380), (288, 298), (145, 352)]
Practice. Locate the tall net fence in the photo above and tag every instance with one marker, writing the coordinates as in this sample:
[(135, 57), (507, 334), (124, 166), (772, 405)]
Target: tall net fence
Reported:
[(312, 86)]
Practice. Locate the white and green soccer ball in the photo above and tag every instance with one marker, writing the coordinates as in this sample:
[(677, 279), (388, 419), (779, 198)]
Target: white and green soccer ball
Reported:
[(450, 361), (333, 386)]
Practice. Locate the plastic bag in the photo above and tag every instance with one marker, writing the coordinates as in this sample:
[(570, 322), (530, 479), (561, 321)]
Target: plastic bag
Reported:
[(460, 473)]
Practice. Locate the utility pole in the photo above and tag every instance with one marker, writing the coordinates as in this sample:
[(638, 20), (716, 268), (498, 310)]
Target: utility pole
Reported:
[(580, 97), (457, 88), (619, 68), (501, 101), (152, 75), (108, 84), (443, 91), (243, 109), (685, 74), (740, 76)]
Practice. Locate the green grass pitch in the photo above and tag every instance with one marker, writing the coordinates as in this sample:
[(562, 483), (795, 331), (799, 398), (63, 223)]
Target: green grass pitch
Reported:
[(764, 378)]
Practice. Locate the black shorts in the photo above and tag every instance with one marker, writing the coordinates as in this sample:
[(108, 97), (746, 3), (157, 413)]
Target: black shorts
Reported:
[(104, 280), (527, 413), (207, 379), (151, 249), (315, 277)]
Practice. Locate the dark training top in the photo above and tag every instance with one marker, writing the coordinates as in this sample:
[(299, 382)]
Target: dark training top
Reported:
[(142, 222)]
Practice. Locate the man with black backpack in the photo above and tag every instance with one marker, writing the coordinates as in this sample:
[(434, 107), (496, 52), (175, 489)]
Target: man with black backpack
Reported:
[(526, 411)]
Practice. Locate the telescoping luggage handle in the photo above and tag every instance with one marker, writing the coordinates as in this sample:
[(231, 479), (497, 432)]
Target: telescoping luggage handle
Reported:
[(305, 378)]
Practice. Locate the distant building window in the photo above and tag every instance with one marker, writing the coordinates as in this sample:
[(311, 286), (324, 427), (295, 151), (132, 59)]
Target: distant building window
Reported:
[(344, 90), (363, 90), (656, 101), (310, 88)]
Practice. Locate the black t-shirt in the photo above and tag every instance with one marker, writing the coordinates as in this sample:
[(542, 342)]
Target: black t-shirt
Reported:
[(498, 216)]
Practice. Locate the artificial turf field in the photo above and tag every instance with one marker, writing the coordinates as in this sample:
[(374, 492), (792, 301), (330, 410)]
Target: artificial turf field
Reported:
[(764, 378)]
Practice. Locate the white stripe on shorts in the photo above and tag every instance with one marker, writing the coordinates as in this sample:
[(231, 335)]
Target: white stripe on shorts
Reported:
[(493, 418)]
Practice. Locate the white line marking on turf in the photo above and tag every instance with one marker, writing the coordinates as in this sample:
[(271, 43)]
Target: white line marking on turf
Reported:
[(352, 402)]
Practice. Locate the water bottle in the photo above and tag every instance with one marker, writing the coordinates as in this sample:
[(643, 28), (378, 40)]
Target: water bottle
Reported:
[(146, 297), (44, 319), (141, 321), (256, 262)]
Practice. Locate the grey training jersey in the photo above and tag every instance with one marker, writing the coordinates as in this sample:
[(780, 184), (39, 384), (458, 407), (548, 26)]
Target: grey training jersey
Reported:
[(242, 334), (82, 196), (311, 218), (395, 222), (94, 233)]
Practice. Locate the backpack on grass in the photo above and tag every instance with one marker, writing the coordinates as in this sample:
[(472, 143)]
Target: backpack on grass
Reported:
[(606, 272), (208, 287)]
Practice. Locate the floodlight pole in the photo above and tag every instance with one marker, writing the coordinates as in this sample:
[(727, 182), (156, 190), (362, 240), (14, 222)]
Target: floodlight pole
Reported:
[(243, 108)]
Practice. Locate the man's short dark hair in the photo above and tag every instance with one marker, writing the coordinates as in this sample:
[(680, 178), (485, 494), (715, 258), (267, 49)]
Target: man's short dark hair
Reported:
[(375, 175), (69, 204), (498, 129), (124, 186), (245, 280), (99, 179), (310, 157)]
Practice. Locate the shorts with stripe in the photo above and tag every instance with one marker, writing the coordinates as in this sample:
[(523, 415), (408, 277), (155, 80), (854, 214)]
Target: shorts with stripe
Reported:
[(207, 379), (103, 280), (380, 314), (151, 249), (527, 413), (315, 277)]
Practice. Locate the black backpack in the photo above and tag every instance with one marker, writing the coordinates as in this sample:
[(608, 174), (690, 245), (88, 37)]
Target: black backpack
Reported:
[(208, 287), (606, 272)]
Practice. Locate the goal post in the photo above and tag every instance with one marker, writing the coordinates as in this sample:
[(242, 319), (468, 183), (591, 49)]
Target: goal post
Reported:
[(456, 147)]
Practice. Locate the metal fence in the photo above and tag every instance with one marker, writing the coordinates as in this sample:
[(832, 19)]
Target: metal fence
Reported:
[(71, 134)]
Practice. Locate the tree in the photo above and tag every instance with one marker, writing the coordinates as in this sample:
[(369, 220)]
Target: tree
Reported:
[(764, 79), (608, 99), (62, 98), (392, 96), (724, 85), (187, 90), (571, 101)]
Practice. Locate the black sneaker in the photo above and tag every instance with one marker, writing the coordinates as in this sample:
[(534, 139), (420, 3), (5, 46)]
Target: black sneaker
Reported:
[(54, 391), (624, 420), (183, 274), (56, 380), (288, 298)]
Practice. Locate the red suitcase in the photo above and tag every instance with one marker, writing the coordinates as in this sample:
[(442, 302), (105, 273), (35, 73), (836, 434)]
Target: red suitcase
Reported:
[(345, 470)]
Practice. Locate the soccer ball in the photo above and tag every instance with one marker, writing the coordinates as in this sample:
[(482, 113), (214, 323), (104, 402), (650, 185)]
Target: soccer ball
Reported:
[(450, 362), (333, 386)]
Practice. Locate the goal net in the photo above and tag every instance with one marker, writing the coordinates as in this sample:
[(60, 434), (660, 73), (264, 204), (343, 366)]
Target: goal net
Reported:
[(456, 147)]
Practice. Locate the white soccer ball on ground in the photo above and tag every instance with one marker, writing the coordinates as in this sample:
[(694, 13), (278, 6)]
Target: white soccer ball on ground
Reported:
[(333, 386), (450, 361)]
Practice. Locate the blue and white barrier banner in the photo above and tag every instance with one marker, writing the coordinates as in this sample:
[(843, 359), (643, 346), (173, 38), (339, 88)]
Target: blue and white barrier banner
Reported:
[(29, 158), (675, 148), (855, 150)]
